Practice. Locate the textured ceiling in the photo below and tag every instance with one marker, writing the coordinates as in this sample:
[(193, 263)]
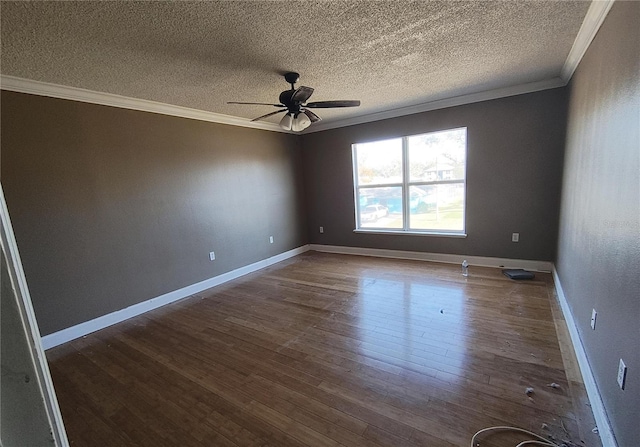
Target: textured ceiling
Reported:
[(388, 54)]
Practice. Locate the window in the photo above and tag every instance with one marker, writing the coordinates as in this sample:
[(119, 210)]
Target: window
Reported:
[(412, 184)]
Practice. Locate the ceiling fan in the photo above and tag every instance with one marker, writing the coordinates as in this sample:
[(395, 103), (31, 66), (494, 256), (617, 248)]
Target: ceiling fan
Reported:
[(294, 102)]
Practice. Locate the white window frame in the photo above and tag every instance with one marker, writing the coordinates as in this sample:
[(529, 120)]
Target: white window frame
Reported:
[(405, 185)]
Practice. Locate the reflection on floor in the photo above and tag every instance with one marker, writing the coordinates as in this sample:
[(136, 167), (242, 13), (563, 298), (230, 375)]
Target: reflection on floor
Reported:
[(329, 350)]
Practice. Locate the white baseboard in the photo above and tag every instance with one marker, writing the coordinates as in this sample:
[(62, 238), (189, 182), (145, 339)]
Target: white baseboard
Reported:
[(79, 330), (599, 411), (482, 261)]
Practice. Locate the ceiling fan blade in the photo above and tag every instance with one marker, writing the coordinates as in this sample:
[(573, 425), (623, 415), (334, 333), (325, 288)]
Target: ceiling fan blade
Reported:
[(256, 104), (268, 115), (312, 116), (301, 94), (329, 104)]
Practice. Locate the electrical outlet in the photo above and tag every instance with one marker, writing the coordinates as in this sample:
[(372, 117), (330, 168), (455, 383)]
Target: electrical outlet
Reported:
[(622, 374), (515, 237), (271, 239), (321, 229), (594, 314), (212, 256)]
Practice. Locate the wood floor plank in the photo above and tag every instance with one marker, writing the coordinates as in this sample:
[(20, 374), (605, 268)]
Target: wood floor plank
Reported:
[(330, 350)]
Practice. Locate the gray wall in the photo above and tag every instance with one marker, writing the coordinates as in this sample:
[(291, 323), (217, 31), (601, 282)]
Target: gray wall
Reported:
[(514, 168), (599, 238), (112, 207)]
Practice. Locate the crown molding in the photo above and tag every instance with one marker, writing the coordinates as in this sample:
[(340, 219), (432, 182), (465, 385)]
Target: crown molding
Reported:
[(594, 18), (21, 85), (441, 104), (596, 14)]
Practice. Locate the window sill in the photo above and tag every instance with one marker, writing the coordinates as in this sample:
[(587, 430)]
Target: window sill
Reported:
[(410, 233)]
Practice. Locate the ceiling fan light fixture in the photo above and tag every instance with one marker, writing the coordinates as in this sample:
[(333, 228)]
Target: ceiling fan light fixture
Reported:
[(294, 103), (286, 122), (300, 122)]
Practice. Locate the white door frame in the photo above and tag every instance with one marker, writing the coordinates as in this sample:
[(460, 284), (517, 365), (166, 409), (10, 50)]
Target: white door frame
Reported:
[(30, 326)]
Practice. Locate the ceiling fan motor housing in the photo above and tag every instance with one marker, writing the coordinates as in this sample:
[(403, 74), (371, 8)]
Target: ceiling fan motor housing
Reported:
[(294, 107), (285, 99)]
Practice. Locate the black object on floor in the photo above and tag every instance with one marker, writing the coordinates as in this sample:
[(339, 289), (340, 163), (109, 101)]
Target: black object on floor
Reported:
[(518, 274)]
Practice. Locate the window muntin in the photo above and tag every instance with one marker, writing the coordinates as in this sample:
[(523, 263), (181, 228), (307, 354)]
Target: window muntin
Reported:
[(418, 180)]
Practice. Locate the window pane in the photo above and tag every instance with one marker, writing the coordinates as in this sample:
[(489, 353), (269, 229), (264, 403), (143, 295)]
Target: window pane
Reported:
[(380, 207), (437, 207), (380, 162), (437, 156)]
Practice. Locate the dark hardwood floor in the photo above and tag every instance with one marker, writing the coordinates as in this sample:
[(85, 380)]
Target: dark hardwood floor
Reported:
[(331, 350)]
